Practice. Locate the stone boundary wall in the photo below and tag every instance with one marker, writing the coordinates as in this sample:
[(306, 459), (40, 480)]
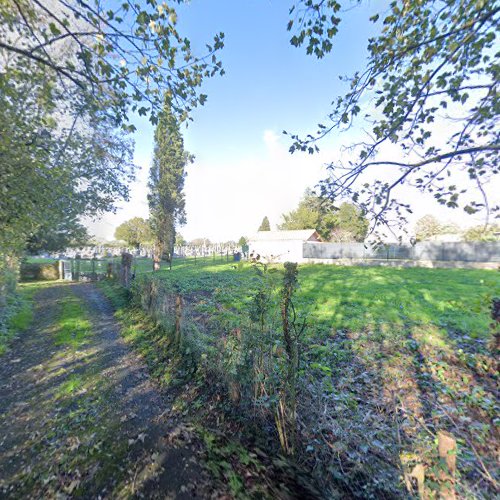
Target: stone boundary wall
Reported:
[(422, 253), (405, 263)]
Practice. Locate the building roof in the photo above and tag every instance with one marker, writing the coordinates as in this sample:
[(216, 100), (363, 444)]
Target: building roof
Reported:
[(302, 234)]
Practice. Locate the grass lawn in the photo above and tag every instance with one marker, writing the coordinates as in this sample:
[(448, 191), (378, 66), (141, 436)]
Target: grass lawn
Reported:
[(391, 356), (359, 298)]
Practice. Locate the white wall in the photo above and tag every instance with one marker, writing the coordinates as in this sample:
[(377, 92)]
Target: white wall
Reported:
[(278, 251)]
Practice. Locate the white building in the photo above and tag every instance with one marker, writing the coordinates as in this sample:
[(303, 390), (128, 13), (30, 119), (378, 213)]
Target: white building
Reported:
[(281, 246)]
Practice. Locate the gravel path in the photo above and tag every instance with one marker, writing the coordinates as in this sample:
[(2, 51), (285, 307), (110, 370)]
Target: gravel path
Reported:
[(88, 421)]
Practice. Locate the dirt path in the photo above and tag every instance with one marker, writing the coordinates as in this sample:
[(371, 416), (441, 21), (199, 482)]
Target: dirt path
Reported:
[(87, 421)]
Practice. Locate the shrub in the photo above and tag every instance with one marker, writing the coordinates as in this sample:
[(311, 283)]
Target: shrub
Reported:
[(39, 271)]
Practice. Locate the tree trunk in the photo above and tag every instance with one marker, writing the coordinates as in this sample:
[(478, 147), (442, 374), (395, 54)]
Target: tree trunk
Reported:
[(156, 263), (157, 251)]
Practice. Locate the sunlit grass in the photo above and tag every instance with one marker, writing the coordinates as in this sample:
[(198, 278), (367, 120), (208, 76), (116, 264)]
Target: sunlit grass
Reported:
[(21, 318), (73, 326), (71, 385), (358, 298)]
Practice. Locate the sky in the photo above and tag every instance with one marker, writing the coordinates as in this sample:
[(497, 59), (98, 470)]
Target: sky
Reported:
[(242, 169)]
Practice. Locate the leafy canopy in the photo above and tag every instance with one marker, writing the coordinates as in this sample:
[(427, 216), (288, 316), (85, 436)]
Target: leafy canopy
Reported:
[(265, 225), (123, 57), (135, 232), (343, 223), (489, 232), (430, 87), (71, 74), (429, 226)]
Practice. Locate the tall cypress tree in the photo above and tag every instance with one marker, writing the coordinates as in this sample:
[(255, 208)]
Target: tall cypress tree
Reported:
[(166, 183), (264, 225)]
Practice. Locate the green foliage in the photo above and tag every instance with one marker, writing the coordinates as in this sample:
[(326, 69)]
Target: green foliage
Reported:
[(264, 225), (63, 233), (166, 182), (39, 271), (121, 60), (199, 242), (72, 74), (179, 240), (73, 325), (344, 223), (432, 65), (135, 232), (51, 175), (376, 337), (489, 232), (427, 227)]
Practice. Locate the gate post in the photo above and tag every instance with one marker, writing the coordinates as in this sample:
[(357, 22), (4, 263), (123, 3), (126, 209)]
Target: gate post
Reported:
[(77, 267), (126, 268)]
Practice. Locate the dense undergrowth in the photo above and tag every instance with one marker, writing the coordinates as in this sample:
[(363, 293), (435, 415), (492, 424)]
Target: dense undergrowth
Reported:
[(389, 357)]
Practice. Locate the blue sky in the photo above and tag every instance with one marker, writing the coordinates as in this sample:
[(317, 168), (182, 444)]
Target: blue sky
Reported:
[(243, 170)]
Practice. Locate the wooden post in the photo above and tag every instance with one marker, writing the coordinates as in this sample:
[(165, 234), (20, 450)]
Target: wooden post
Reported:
[(157, 251), (78, 259), (109, 271), (447, 449), (178, 316), (126, 268)]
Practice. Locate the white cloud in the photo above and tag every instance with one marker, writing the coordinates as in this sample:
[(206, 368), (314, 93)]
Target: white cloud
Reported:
[(225, 200)]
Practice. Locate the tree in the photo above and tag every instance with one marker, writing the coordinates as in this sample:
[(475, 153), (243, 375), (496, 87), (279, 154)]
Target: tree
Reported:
[(122, 59), (135, 232), (200, 242), (179, 240), (427, 227), (305, 216), (432, 67), (243, 244), (489, 232), (57, 237), (343, 223), (264, 225), (166, 184), (71, 74), (349, 224)]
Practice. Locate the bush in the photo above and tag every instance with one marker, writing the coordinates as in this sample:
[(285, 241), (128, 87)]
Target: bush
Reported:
[(39, 271)]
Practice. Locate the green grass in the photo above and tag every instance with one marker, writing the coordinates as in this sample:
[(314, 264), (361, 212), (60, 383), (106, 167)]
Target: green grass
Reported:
[(21, 317), (40, 260), (73, 326), (359, 298), (416, 338)]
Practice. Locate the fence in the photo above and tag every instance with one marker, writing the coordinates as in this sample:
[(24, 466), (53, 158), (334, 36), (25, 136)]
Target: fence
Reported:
[(89, 269), (425, 251)]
